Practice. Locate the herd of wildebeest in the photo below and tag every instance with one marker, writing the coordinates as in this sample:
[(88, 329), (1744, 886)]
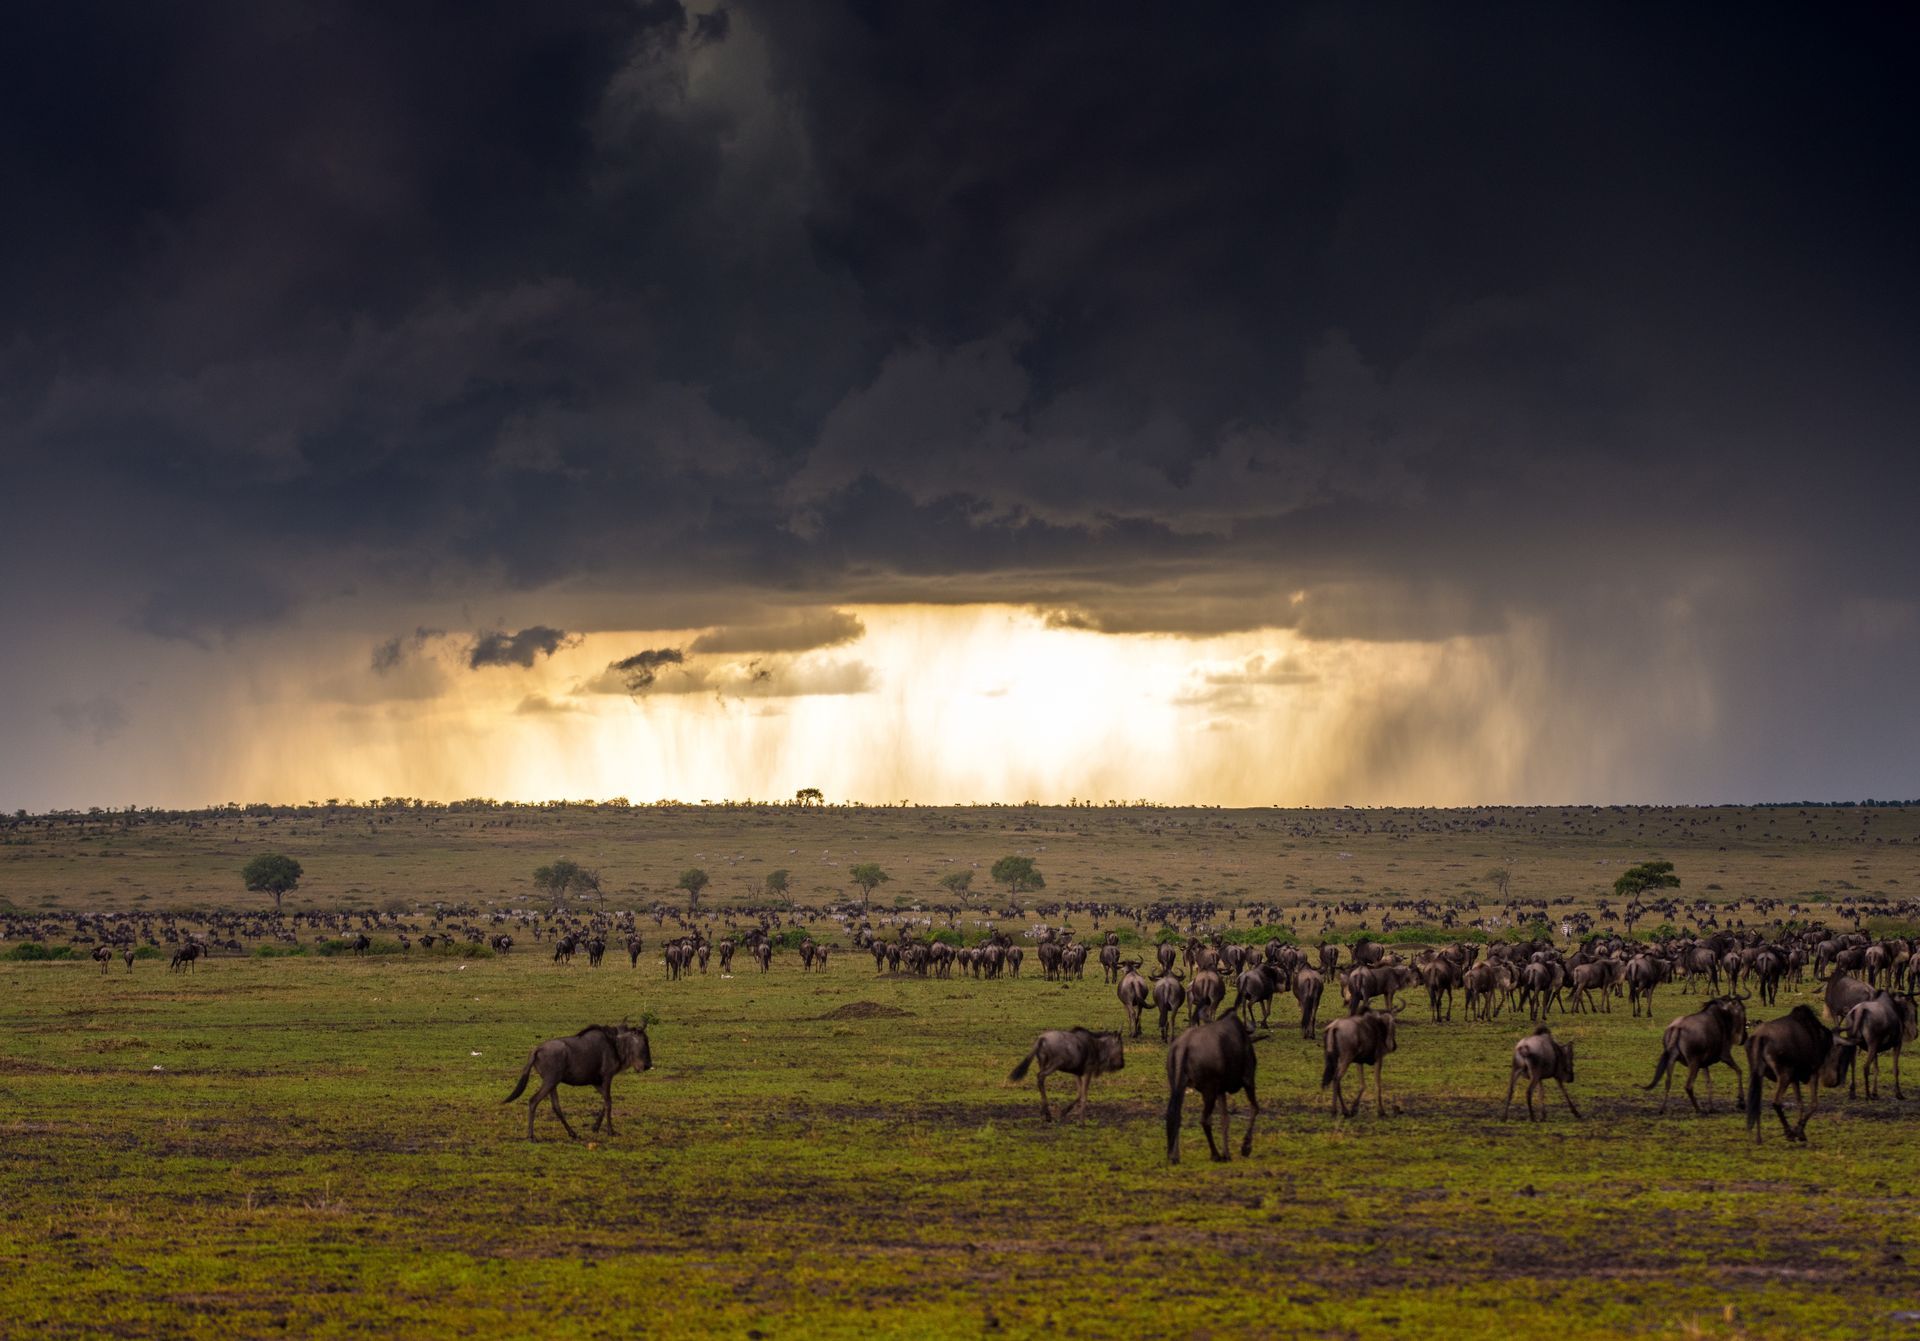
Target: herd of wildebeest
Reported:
[(1867, 991)]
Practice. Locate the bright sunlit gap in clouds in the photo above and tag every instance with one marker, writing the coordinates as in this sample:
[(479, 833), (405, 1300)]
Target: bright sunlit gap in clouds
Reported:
[(934, 704)]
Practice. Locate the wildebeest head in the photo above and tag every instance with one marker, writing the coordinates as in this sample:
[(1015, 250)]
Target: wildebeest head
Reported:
[(1563, 1062), (632, 1045), (1106, 1051)]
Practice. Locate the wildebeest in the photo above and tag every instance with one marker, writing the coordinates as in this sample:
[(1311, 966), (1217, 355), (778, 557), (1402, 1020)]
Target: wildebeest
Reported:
[(183, 958), (1169, 994), (127, 954), (594, 1056), (634, 946), (726, 956), (1883, 1023), (1204, 995), (1700, 1042), (1081, 1053), (361, 944), (1216, 1060), (1793, 1050), (103, 956), (1364, 1040), (1843, 994), (1307, 987), (1540, 1059), (1134, 992)]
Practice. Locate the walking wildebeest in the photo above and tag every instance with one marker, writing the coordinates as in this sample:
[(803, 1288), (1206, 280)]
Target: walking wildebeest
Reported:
[(1843, 994), (1307, 986), (1363, 1040), (1885, 1023), (103, 956), (1078, 1052), (1217, 1060), (634, 946), (127, 954), (183, 958), (1701, 1041), (594, 1056), (1169, 994), (1134, 992), (1540, 1059), (1204, 995), (1792, 1050)]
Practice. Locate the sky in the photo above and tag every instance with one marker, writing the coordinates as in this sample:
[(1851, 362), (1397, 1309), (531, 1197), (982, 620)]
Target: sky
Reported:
[(1232, 404)]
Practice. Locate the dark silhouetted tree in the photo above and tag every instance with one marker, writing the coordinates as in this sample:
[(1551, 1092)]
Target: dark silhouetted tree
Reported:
[(868, 876), (1018, 874), (271, 873)]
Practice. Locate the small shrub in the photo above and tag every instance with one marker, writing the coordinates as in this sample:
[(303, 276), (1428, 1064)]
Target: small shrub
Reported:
[(31, 952)]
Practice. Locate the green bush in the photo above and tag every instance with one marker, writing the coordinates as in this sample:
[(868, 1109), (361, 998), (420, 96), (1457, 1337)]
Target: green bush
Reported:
[(31, 952), (278, 951), (147, 952)]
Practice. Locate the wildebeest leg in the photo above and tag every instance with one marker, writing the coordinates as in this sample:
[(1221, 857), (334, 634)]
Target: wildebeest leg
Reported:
[(1780, 1105), (1513, 1079), (553, 1097), (1564, 1095), (1896, 1075), (1693, 1069), (1811, 1102), (1379, 1088), (1206, 1124), (1079, 1104), (606, 1106), (1046, 1109), (533, 1104)]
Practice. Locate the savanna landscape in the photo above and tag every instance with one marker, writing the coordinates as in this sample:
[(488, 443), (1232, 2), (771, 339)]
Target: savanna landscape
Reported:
[(287, 1135)]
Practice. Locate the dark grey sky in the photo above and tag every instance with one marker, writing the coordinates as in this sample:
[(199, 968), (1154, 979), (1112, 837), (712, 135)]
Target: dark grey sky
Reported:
[(1597, 319)]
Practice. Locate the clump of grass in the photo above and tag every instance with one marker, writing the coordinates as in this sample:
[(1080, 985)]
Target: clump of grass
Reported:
[(31, 952)]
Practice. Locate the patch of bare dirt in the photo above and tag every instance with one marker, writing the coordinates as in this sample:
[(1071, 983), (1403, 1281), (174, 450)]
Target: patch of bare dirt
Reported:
[(866, 1010)]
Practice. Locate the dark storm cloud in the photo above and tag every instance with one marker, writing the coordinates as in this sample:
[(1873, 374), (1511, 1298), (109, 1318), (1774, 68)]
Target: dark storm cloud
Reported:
[(1362, 321), (638, 673), (389, 654), (515, 649)]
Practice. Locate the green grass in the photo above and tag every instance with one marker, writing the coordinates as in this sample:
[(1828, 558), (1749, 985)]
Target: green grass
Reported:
[(312, 1145)]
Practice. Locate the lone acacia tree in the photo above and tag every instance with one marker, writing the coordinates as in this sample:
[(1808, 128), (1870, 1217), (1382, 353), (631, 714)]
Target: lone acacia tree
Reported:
[(777, 883), (867, 875), (272, 873), (1647, 875), (693, 880), (957, 883), (556, 880), (1018, 874), (810, 796)]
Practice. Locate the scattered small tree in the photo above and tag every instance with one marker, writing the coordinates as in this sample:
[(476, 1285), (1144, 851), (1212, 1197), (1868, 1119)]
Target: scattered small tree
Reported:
[(957, 883), (556, 880), (778, 882), (1501, 878), (1647, 875), (272, 873), (810, 796), (693, 880), (867, 875), (1018, 874)]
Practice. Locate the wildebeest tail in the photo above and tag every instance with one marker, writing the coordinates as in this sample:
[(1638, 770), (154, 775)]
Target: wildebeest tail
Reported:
[(1327, 1072), (1666, 1060), (520, 1089), (1753, 1088), (1020, 1072)]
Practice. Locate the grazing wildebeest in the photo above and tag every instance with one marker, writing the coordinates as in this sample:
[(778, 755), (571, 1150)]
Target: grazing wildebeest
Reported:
[(1363, 1040), (361, 944), (1134, 992), (1078, 1052), (1885, 1023), (127, 954), (1792, 1050), (1217, 1060), (103, 956), (594, 1056), (183, 958), (1701, 1041), (1540, 1059), (1307, 987), (1169, 994)]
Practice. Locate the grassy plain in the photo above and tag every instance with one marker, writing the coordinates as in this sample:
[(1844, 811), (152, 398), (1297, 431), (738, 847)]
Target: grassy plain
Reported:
[(316, 1146)]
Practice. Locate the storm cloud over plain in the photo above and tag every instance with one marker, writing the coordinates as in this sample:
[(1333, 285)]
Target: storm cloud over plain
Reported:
[(1586, 333)]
